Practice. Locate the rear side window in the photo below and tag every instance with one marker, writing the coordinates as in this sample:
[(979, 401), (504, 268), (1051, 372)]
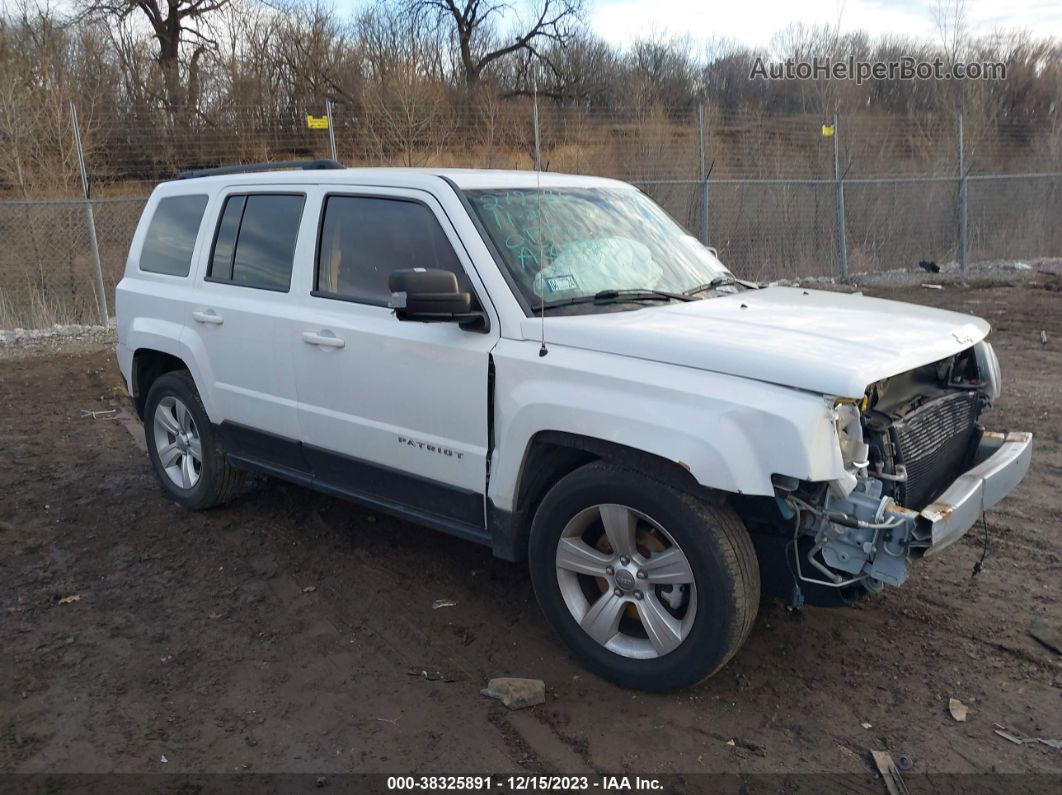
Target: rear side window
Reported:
[(255, 242), (364, 238), (171, 235)]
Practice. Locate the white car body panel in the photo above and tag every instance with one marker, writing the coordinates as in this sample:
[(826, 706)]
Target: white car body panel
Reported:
[(730, 433), (252, 380), (391, 381), (152, 309), (693, 383), (824, 342), (734, 389)]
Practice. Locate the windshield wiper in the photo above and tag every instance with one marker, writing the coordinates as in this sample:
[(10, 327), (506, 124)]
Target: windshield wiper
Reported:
[(617, 296), (718, 281)]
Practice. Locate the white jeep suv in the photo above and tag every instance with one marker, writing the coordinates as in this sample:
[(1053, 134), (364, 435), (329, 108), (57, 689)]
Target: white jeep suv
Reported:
[(551, 366)]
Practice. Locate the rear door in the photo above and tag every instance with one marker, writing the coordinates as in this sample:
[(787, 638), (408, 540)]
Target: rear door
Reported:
[(391, 411), (243, 295)]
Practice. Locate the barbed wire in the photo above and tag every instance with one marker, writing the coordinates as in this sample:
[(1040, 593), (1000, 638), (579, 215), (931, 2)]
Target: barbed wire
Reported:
[(631, 143)]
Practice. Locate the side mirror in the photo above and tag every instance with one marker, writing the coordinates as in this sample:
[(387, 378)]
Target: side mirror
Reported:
[(431, 296)]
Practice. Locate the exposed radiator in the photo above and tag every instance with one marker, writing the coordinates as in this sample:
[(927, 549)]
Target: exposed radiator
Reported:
[(935, 443)]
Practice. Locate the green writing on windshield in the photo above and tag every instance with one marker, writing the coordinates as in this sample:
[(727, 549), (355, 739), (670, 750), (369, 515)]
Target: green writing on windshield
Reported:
[(534, 225)]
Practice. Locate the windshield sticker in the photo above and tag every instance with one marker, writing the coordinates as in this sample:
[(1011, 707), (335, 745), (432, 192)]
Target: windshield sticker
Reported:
[(560, 284)]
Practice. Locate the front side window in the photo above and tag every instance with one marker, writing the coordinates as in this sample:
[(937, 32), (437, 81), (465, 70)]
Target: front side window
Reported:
[(565, 244), (365, 238), (171, 235), (255, 242)]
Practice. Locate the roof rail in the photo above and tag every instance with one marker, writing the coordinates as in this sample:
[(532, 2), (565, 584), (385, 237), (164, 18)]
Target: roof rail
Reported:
[(247, 168)]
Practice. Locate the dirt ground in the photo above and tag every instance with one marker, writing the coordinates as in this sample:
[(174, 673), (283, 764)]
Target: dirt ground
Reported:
[(293, 632)]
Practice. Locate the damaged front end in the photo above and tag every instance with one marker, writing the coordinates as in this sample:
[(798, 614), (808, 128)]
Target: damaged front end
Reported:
[(919, 470)]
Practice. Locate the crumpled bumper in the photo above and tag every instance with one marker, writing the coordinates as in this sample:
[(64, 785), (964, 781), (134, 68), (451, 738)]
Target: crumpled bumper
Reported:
[(1002, 461)]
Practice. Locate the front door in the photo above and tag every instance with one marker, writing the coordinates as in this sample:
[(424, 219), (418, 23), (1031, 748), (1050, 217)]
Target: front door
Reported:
[(391, 411)]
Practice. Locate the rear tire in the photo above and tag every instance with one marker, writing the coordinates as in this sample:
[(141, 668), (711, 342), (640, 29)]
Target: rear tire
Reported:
[(185, 452), (665, 613)]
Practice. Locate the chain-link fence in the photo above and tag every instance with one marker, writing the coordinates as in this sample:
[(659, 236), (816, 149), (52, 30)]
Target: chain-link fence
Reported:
[(769, 193), (46, 264)]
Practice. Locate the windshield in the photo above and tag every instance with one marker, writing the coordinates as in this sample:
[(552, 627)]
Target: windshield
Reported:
[(565, 244)]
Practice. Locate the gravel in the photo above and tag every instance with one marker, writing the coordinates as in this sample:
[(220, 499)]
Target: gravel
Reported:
[(22, 342), (950, 273)]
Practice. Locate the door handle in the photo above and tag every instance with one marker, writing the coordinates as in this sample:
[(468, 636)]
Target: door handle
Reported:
[(210, 316), (325, 339)]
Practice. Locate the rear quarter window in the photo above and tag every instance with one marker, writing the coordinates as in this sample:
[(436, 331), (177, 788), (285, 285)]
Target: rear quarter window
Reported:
[(171, 235)]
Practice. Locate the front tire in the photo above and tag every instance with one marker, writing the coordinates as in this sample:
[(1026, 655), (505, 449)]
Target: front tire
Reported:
[(650, 587), (186, 454)]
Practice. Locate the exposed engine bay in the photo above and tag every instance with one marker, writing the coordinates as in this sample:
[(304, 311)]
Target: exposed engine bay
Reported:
[(902, 445)]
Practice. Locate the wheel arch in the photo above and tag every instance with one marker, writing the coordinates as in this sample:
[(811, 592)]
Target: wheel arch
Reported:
[(148, 365), (551, 455)]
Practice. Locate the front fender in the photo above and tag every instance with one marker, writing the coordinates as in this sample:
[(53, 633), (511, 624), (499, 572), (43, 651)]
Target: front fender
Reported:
[(730, 433)]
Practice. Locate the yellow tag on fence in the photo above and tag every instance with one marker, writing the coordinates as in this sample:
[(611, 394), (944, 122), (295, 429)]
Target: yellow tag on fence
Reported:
[(827, 131), (321, 122)]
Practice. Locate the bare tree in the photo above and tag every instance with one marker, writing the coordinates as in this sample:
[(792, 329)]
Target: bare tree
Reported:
[(951, 20), (661, 72), (399, 74), (313, 51), (173, 23), (478, 27), (406, 107), (584, 69)]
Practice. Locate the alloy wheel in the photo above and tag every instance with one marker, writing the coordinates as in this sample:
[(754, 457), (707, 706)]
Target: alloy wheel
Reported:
[(626, 582), (177, 442)]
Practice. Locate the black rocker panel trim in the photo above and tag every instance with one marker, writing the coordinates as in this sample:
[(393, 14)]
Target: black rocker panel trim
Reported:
[(251, 443), (395, 486), (447, 508)]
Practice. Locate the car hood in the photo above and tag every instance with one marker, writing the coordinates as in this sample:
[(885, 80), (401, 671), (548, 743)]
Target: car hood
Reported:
[(826, 342)]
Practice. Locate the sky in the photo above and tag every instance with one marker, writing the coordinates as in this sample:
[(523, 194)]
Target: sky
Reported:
[(754, 22)]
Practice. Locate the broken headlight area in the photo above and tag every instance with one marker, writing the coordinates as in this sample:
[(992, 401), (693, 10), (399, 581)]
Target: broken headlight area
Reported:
[(902, 445), (864, 539)]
